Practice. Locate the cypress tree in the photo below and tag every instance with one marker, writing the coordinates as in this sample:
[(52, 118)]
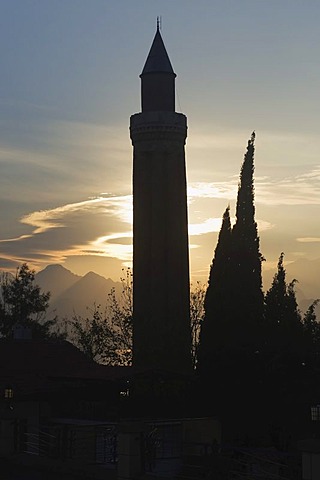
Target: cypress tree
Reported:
[(282, 316), (245, 269), (234, 297), (220, 263), (229, 337), (311, 327), (214, 325)]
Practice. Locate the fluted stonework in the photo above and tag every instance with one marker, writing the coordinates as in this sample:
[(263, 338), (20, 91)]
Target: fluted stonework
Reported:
[(160, 242)]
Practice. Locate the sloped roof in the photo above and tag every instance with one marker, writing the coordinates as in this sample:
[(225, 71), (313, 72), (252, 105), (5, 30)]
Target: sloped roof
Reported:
[(34, 364), (158, 60), (38, 356)]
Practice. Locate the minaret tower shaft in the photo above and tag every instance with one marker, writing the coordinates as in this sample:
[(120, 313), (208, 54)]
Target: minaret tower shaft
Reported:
[(161, 288)]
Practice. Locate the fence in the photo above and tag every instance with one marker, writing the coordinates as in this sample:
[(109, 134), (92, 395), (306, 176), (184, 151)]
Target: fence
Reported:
[(162, 446)]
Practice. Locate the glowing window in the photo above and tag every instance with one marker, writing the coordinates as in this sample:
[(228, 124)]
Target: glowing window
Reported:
[(8, 393), (315, 413)]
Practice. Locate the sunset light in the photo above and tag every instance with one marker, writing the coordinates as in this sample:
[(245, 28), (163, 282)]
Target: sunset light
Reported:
[(65, 138)]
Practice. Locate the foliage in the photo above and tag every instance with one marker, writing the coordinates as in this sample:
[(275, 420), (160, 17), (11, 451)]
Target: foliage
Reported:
[(89, 333), (215, 318), (106, 336), (311, 327), (245, 267), (220, 265), (282, 316), (22, 304), (234, 297), (197, 295)]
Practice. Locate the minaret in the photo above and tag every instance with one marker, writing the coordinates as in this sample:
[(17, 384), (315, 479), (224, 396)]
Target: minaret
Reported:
[(161, 289)]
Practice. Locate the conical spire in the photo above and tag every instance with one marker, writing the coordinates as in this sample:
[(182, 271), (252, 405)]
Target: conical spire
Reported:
[(158, 79), (158, 59)]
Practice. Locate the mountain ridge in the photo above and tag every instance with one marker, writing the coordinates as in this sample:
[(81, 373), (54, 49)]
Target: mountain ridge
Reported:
[(74, 295)]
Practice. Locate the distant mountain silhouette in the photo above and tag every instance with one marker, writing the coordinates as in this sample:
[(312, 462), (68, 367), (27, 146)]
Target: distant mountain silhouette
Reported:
[(72, 294), (56, 279)]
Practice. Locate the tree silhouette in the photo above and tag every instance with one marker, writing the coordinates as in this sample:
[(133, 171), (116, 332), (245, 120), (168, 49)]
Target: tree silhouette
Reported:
[(197, 295), (216, 302), (22, 304), (234, 297), (282, 316), (253, 344), (220, 265), (311, 328), (245, 277), (106, 335)]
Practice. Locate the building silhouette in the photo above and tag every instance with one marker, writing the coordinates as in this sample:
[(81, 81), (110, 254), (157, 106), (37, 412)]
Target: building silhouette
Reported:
[(161, 288)]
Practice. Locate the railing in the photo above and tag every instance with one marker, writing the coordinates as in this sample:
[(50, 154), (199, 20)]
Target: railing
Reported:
[(163, 448), (92, 443)]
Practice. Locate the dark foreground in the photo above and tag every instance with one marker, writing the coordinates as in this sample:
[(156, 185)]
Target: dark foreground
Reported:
[(9, 471)]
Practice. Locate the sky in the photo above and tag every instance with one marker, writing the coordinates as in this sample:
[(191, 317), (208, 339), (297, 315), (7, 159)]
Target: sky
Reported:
[(70, 81)]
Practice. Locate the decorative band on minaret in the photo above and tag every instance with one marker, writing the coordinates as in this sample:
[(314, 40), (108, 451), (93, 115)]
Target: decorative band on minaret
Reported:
[(161, 286)]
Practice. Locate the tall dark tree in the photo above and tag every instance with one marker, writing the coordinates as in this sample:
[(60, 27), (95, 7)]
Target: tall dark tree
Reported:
[(282, 316), (290, 366), (231, 330), (311, 328), (220, 265), (216, 302), (234, 297), (246, 293)]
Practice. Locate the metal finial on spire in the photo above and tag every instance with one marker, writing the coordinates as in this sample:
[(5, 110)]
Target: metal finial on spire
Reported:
[(158, 23)]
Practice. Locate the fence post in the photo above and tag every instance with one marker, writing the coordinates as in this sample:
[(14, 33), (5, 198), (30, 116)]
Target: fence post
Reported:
[(130, 465)]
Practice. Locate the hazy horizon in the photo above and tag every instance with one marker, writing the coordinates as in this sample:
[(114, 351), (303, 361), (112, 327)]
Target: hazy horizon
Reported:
[(70, 84)]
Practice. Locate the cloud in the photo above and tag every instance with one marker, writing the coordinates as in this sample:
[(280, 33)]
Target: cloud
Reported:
[(101, 226), (46, 219), (113, 246), (302, 189), (225, 190), (287, 168), (54, 159), (298, 190), (90, 227), (209, 225), (308, 239)]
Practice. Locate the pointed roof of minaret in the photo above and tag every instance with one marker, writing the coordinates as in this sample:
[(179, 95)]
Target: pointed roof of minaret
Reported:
[(158, 59)]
